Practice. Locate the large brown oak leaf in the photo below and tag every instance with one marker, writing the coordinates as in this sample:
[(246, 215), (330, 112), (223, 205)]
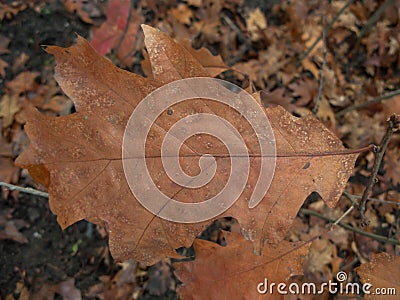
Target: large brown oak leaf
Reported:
[(78, 157)]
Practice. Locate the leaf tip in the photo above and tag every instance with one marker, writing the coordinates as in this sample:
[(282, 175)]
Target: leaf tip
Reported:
[(50, 49), (148, 29)]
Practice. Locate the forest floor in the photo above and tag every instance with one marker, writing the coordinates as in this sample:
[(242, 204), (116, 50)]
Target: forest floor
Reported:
[(260, 40)]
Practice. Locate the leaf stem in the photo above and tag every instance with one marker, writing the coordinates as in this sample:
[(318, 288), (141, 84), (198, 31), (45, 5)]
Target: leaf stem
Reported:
[(295, 154)]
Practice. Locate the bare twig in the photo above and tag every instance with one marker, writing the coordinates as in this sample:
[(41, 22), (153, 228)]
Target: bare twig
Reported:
[(241, 36), (354, 199), (393, 125), (31, 191), (374, 18), (377, 237), (368, 103), (321, 71), (344, 215), (326, 29)]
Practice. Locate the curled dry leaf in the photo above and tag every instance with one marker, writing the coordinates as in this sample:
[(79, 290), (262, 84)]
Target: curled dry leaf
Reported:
[(79, 156), (233, 272)]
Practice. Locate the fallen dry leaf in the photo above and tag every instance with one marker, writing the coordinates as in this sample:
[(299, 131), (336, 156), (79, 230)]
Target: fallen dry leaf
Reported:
[(4, 42), (45, 292), (233, 272), (392, 165), (5, 147), (383, 272), (20, 62), (3, 66), (182, 13), (256, 23), (212, 63), (306, 90), (8, 11), (8, 108), (9, 173), (160, 278), (10, 231), (325, 111), (67, 290), (78, 6), (24, 81), (79, 156), (277, 97), (113, 32), (59, 104)]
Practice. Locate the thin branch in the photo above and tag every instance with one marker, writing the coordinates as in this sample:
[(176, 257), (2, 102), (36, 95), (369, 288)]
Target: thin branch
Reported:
[(242, 38), (308, 212), (326, 29), (368, 103), (354, 198), (343, 216), (31, 191), (375, 17), (393, 125), (321, 71)]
